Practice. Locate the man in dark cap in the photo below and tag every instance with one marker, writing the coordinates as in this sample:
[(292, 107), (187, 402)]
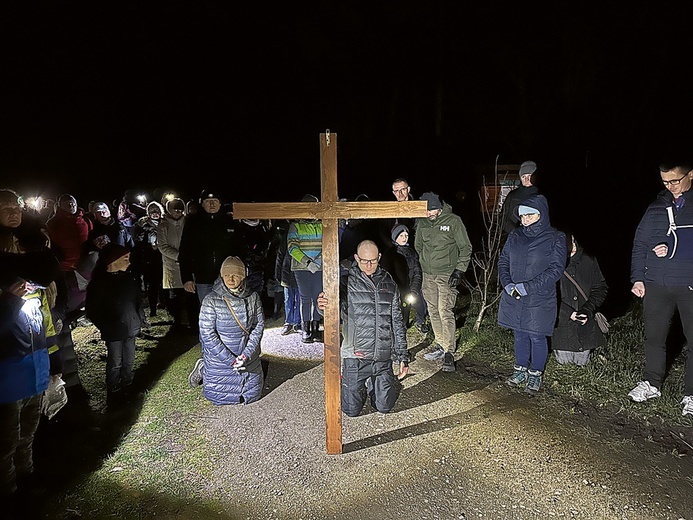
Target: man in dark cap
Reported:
[(444, 252), (527, 171), (208, 238)]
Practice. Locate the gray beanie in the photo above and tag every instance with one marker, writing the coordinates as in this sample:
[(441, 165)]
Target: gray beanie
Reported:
[(527, 167), (398, 230), (432, 199)]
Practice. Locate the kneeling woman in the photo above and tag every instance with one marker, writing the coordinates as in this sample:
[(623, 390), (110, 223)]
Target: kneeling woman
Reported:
[(231, 327)]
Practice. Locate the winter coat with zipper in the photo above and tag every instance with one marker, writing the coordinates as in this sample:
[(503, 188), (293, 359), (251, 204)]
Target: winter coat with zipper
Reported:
[(226, 335), (569, 334), (372, 325), (442, 244), (535, 256), (168, 238), (402, 262), (676, 268), (207, 240)]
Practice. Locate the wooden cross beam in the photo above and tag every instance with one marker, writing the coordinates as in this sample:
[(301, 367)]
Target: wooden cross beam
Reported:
[(329, 210)]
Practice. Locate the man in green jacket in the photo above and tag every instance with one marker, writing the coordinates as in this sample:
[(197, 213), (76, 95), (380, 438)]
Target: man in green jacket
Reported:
[(444, 251)]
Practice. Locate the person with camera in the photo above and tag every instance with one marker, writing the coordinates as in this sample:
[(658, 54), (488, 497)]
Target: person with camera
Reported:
[(583, 290)]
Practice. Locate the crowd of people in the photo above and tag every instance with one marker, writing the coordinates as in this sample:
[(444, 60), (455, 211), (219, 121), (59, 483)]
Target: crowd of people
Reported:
[(117, 264)]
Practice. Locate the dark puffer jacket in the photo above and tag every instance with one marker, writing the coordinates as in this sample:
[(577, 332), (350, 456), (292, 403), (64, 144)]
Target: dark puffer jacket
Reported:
[(371, 317), (534, 256), (676, 268), (569, 334), (224, 339)]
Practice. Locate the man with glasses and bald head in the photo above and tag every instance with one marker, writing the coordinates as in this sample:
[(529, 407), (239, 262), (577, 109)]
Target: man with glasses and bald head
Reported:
[(372, 332), (662, 275)]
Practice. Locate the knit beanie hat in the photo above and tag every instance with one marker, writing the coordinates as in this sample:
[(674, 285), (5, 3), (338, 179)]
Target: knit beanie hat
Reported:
[(527, 167), (432, 199), (112, 252), (526, 210), (233, 265), (398, 230)]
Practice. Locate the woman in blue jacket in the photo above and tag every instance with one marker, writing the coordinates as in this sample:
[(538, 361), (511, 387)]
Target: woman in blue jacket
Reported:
[(231, 327), (530, 265)]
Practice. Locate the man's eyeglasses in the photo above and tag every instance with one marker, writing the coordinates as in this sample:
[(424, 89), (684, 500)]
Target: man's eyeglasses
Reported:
[(401, 191), (364, 261), (674, 182)]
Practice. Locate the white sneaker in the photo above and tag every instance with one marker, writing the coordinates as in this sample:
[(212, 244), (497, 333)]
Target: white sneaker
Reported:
[(645, 391), (687, 405)]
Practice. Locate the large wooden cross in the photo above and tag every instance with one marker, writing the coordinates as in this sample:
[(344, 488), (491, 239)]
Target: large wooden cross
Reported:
[(330, 210)]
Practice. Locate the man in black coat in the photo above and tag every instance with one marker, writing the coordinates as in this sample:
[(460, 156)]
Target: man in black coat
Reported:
[(509, 219)]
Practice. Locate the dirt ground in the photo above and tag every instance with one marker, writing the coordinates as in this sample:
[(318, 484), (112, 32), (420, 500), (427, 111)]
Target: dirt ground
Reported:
[(458, 445)]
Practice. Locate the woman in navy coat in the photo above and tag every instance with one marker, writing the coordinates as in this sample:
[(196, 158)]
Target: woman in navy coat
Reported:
[(530, 265)]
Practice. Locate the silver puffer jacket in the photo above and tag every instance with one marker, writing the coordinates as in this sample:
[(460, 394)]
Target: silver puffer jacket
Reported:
[(225, 335)]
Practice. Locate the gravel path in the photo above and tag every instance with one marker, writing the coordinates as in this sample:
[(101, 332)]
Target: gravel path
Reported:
[(457, 446)]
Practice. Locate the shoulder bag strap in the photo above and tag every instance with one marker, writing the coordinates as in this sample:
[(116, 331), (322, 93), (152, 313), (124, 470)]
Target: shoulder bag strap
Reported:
[(228, 304), (582, 293)]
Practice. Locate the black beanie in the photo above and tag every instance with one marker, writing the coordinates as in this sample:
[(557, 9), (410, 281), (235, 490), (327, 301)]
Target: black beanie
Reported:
[(111, 252), (433, 200)]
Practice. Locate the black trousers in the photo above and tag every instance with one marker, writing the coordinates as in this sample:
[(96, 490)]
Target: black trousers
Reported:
[(660, 304), (383, 387)]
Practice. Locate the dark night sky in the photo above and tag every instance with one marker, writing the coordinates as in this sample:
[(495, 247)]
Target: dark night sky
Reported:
[(108, 96)]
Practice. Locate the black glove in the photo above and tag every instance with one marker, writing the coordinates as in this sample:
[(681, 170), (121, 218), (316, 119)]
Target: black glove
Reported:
[(455, 278)]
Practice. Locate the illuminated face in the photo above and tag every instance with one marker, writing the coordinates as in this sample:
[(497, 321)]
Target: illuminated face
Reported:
[(68, 204), (10, 214), (401, 191), (211, 205), (403, 238), (102, 213), (367, 258), (526, 180), (233, 280), (677, 181), (529, 219)]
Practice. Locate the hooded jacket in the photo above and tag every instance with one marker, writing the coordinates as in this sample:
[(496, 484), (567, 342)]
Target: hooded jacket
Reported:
[(442, 244), (225, 334), (535, 256)]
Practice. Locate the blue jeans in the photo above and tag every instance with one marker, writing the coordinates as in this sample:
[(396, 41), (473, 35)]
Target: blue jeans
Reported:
[(292, 305), (309, 285), (121, 358), (531, 350)]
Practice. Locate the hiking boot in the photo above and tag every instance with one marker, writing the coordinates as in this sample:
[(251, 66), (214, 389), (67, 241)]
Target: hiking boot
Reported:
[(687, 405), (644, 391), (448, 362), (519, 376), (423, 328), (195, 377), (286, 329), (436, 354), (533, 382), (306, 332)]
